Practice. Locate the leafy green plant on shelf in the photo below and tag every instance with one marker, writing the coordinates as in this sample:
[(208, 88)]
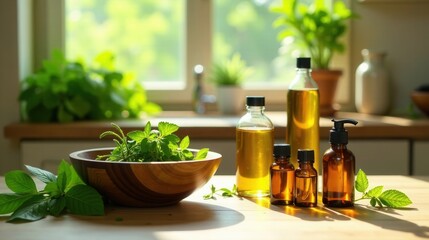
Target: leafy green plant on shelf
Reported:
[(231, 72), (316, 28), (65, 91)]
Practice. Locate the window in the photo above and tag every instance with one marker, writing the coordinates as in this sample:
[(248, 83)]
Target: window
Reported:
[(161, 40), (147, 37)]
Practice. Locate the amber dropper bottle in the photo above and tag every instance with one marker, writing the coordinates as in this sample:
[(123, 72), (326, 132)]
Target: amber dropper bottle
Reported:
[(306, 180), (282, 176), (339, 168)]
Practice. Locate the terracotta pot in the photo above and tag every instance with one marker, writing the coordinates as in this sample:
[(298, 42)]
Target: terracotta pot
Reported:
[(327, 81)]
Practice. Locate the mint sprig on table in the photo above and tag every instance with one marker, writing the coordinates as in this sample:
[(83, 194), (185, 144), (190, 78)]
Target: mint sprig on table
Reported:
[(224, 192), (63, 193), (150, 145), (378, 197)]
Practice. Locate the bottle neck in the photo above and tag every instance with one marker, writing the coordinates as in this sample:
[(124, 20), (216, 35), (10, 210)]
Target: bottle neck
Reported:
[(303, 80), (338, 146), (305, 165), (255, 109), (281, 159)]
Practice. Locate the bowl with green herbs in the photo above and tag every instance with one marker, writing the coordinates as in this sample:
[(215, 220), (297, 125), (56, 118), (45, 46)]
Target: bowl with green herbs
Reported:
[(146, 168)]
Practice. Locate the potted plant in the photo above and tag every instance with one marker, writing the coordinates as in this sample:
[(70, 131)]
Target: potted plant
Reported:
[(65, 91), (228, 77), (317, 29)]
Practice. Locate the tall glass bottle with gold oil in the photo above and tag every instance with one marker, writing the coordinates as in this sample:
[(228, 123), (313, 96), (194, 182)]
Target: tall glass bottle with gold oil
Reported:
[(302, 130), (254, 149)]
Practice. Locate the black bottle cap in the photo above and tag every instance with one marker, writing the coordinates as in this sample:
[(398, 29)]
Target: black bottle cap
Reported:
[(255, 101), (305, 155), (303, 62), (281, 150), (338, 134)]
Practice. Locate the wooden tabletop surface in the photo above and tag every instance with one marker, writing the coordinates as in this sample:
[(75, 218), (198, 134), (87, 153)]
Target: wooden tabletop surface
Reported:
[(222, 127), (233, 218)]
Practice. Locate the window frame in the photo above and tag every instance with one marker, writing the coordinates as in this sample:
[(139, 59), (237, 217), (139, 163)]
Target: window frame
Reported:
[(49, 34)]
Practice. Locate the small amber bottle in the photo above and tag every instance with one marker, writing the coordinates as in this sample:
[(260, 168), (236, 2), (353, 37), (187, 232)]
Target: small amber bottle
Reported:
[(306, 180), (282, 176)]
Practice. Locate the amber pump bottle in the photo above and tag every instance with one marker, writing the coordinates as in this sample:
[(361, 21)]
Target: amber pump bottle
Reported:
[(282, 176), (305, 180), (254, 150), (339, 168), (302, 129)]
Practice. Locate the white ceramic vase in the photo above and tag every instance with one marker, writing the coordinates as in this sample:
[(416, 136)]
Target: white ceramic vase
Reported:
[(372, 86), (230, 100)]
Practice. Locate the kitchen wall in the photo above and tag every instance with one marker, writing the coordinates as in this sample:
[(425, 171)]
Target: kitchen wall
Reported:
[(401, 29), (9, 85)]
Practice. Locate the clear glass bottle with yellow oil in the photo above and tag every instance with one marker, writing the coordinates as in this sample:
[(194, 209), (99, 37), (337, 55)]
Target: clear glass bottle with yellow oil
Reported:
[(302, 129), (254, 150)]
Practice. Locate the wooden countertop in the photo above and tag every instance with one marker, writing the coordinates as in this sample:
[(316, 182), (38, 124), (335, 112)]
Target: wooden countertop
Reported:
[(233, 218), (223, 127)]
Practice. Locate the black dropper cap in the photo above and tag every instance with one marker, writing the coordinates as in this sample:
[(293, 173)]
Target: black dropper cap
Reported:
[(303, 62), (305, 155), (281, 150), (338, 134), (255, 101)]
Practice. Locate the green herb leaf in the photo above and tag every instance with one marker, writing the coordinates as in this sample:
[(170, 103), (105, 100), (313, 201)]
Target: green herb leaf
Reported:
[(166, 128), (20, 182), (375, 192), (151, 145), (389, 198), (184, 143), (33, 209), (224, 192), (41, 174), (137, 135), (202, 154), (84, 200), (67, 176), (361, 183), (56, 206), (394, 198), (52, 189), (373, 201), (9, 202)]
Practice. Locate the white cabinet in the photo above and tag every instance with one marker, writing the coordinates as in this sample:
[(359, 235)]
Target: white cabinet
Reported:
[(421, 158)]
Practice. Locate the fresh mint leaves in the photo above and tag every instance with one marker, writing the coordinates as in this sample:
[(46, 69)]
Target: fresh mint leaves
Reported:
[(63, 193), (224, 192), (150, 145), (378, 197)]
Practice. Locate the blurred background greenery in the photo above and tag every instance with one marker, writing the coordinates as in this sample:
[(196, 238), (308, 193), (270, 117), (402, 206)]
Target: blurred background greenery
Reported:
[(148, 37)]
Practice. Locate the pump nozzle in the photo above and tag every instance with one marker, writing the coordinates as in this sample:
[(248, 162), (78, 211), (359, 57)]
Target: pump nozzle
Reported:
[(338, 134)]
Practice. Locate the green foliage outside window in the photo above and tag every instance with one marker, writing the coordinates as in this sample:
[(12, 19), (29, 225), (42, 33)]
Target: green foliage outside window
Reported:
[(148, 36)]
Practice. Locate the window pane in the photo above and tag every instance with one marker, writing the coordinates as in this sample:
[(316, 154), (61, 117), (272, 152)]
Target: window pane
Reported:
[(246, 27), (146, 36)]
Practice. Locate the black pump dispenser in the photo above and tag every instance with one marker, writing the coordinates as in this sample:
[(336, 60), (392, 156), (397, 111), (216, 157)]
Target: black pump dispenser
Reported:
[(338, 134)]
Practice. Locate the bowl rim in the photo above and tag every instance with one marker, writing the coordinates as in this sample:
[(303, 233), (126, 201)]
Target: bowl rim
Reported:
[(211, 156)]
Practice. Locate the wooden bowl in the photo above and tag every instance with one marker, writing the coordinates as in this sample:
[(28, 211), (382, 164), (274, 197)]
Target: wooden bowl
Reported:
[(148, 184), (421, 100)]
